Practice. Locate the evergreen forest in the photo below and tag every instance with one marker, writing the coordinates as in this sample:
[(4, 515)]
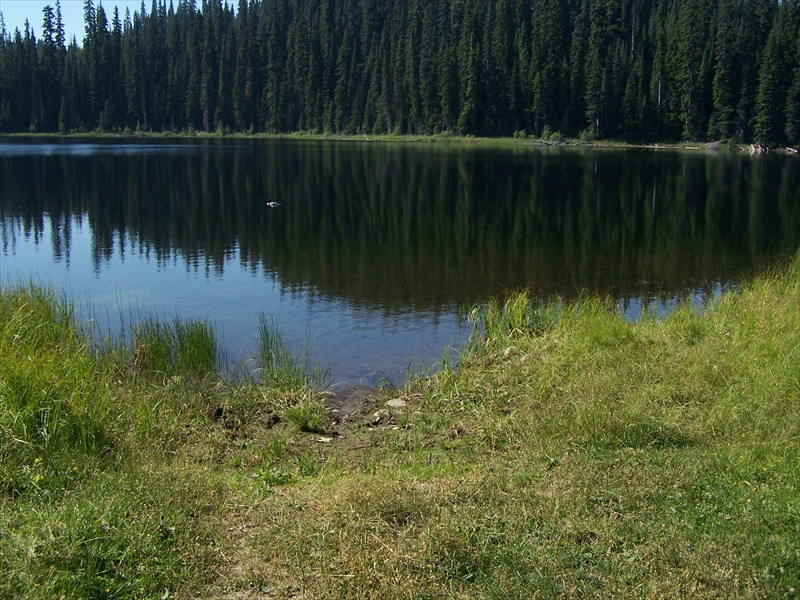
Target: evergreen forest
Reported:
[(644, 70)]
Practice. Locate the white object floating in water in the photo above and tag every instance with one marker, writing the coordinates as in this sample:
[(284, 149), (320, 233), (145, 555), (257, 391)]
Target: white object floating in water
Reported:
[(273, 204)]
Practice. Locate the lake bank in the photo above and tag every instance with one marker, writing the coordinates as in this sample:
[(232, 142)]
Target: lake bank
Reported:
[(518, 141), (572, 453)]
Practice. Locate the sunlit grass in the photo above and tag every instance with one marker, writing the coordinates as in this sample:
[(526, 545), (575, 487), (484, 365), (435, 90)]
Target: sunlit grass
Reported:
[(571, 454), (281, 367), (154, 348), (108, 447), (575, 454)]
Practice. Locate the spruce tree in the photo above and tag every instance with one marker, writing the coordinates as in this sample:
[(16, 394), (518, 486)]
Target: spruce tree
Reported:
[(793, 101), (209, 78), (726, 74), (546, 62), (48, 94), (694, 18), (777, 69)]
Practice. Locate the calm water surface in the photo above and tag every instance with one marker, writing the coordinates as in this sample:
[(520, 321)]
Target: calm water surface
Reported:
[(376, 248)]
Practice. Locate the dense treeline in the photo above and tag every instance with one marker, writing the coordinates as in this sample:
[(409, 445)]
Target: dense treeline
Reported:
[(665, 69)]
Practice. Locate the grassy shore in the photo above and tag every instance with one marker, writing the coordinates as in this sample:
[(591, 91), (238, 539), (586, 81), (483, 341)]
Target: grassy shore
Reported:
[(571, 454), (519, 139)]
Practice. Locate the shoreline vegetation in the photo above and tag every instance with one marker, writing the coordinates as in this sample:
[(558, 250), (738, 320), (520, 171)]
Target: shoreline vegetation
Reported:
[(521, 139), (570, 454)]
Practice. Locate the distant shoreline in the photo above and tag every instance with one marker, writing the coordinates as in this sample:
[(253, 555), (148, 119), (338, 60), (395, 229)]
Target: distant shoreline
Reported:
[(719, 145)]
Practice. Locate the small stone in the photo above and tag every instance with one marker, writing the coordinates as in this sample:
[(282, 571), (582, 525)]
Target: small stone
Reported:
[(396, 403)]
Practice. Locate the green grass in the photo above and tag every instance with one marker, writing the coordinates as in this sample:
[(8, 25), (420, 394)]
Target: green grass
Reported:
[(518, 139), (571, 454), (278, 365), (111, 450)]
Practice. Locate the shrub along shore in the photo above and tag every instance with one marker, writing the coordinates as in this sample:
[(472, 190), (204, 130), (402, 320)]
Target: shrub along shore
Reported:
[(570, 454)]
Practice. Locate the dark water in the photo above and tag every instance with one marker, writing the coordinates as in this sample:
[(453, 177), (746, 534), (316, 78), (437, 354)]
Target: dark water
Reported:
[(376, 248)]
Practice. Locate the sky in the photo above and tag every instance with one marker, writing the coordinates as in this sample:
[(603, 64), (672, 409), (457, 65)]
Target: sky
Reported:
[(16, 11)]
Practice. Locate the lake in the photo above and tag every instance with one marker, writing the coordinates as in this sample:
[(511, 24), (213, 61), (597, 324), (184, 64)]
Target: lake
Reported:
[(375, 249)]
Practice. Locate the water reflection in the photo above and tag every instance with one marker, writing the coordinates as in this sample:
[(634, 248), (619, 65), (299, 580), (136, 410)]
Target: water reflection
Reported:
[(399, 230)]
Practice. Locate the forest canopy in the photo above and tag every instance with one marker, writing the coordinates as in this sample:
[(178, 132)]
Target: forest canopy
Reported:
[(643, 69)]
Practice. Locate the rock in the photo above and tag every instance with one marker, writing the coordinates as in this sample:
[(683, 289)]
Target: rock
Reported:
[(381, 417), (396, 403)]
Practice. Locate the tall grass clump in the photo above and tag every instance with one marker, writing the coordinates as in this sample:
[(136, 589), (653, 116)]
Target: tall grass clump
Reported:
[(52, 415), (157, 349), (196, 347), (278, 365), (499, 322), (289, 379)]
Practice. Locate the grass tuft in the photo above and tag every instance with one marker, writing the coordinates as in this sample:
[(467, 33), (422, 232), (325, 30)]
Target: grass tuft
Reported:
[(278, 365)]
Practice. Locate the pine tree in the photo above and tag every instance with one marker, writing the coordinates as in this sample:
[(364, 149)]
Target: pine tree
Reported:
[(575, 115), (775, 77), (61, 38), (132, 67), (635, 100), (155, 52), (793, 102), (755, 23), (6, 85), (175, 71), (276, 84), (116, 88), (240, 71), (312, 91), (694, 17), (48, 94), (546, 61), (209, 78), (662, 90), (193, 61), (468, 74), (411, 80), (428, 83), (726, 72), (103, 68), (223, 115), (448, 87), (602, 29), (69, 113)]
